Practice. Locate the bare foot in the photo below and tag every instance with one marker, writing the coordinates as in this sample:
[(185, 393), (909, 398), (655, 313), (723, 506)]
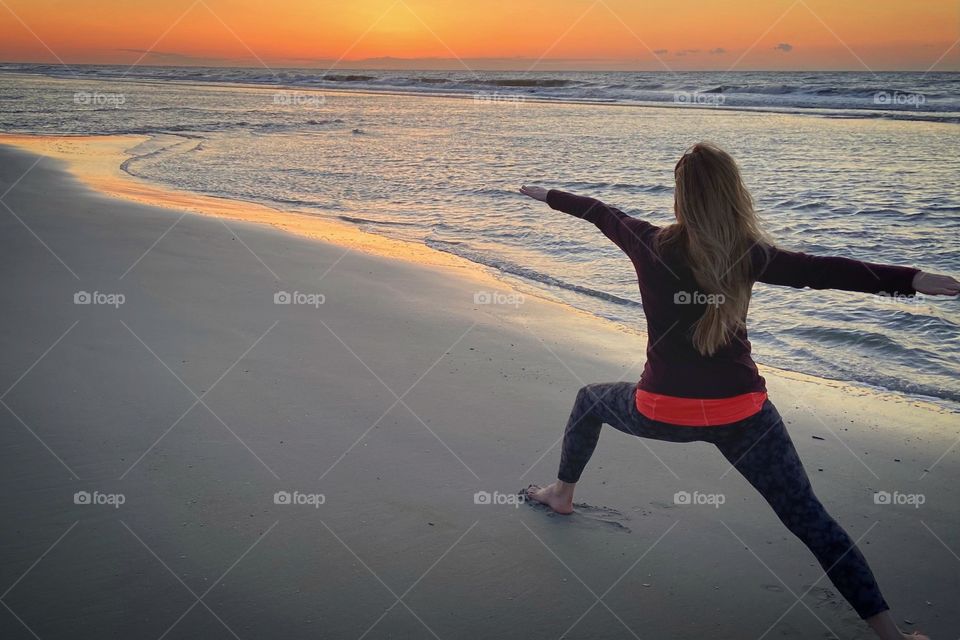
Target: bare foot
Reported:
[(558, 496), (887, 629)]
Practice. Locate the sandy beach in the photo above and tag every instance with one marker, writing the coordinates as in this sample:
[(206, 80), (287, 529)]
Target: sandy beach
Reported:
[(225, 421)]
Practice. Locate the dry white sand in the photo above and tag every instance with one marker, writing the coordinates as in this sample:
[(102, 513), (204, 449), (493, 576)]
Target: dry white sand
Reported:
[(397, 399)]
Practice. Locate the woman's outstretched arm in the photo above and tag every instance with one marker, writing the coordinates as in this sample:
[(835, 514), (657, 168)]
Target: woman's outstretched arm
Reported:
[(626, 232), (796, 269)]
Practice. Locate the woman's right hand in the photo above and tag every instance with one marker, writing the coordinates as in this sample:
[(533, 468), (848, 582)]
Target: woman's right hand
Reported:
[(537, 193), (935, 285)]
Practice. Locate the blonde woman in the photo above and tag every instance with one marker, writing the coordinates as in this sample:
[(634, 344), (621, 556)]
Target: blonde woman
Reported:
[(700, 382)]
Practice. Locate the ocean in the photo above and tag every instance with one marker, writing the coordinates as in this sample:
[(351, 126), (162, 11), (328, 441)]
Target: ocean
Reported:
[(856, 164)]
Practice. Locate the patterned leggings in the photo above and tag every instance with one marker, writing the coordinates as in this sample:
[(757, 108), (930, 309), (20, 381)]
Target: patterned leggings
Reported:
[(761, 450)]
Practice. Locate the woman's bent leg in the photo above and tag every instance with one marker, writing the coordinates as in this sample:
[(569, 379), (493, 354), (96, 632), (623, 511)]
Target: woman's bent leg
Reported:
[(594, 404), (612, 403), (765, 455)]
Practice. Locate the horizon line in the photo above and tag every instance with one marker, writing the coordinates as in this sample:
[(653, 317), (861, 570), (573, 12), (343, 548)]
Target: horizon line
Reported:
[(458, 65)]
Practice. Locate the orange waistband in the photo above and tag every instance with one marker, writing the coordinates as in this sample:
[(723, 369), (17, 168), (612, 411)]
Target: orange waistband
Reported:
[(696, 412)]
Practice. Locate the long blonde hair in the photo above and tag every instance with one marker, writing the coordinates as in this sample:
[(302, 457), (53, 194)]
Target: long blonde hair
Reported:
[(716, 230)]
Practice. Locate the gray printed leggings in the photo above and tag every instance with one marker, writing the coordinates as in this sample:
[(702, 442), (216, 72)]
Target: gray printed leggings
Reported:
[(761, 450)]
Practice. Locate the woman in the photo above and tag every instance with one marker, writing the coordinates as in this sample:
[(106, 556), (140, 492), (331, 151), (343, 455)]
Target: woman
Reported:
[(699, 382)]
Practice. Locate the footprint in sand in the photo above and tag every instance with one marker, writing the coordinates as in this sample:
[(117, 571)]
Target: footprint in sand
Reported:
[(663, 505), (588, 515), (602, 515), (821, 596)]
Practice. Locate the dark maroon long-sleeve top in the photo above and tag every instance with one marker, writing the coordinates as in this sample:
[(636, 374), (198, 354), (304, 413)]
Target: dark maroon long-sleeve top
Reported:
[(673, 302)]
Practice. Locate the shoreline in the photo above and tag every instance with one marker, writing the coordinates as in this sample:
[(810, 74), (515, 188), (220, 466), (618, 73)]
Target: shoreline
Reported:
[(97, 161)]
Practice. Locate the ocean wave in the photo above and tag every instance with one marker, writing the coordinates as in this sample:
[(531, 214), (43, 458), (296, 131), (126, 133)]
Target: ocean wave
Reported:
[(619, 186), (933, 97), (199, 129), (527, 82), (527, 273), (347, 78), (432, 80), (369, 221)]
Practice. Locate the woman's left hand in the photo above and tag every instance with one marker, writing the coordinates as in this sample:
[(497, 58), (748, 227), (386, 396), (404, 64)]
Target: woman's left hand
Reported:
[(537, 193), (935, 285)]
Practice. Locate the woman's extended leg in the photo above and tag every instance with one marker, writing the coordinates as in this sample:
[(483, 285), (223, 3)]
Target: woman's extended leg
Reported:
[(763, 452), (610, 403)]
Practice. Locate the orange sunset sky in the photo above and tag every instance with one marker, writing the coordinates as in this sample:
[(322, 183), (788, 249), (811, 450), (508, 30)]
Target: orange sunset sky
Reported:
[(517, 34)]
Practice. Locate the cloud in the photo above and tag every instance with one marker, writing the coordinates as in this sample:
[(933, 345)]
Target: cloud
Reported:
[(174, 59), (718, 51), (784, 46), (163, 54), (684, 52), (660, 52)]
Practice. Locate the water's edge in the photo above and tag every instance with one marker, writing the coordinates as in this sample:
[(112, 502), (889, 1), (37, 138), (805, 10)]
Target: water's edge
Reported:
[(533, 288)]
